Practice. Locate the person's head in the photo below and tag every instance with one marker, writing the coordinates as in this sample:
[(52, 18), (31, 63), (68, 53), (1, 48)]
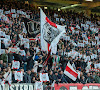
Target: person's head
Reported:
[(33, 78), (56, 73), (93, 73), (61, 72), (4, 64), (4, 69), (1, 61), (32, 70), (83, 77), (88, 74), (13, 72), (0, 75), (9, 64), (19, 53), (28, 53), (29, 72), (22, 70), (0, 68), (51, 72), (97, 74), (6, 51), (2, 41)]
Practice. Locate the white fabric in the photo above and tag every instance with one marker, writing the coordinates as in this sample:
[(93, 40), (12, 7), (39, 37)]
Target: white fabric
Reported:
[(2, 33), (69, 74), (13, 10), (44, 77), (14, 15), (8, 77), (23, 53), (18, 75), (1, 11), (14, 50), (2, 51), (38, 85), (15, 64), (35, 66), (44, 45)]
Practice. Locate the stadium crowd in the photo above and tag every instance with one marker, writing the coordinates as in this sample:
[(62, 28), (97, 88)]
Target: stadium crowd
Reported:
[(80, 45)]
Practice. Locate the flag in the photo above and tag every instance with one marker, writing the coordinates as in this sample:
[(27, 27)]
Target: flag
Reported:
[(46, 61), (15, 64), (7, 77), (38, 85), (70, 72), (72, 28), (32, 27), (18, 75), (44, 77), (50, 33)]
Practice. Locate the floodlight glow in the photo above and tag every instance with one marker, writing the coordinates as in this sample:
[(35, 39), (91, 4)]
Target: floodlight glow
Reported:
[(89, 0), (58, 9), (38, 7), (45, 7), (71, 6)]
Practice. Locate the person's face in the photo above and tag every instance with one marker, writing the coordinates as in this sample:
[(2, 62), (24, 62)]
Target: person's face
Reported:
[(0, 68), (98, 74), (1, 61), (93, 73), (33, 79), (51, 72), (32, 70), (22, 70), (0, 76), (61, 72), (56, 74), (29, 72), (88, 74), (6, 51), (19, 53), (28, 53)]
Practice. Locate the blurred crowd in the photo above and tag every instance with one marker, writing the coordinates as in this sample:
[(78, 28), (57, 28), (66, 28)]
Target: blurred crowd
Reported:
[(80, 45)]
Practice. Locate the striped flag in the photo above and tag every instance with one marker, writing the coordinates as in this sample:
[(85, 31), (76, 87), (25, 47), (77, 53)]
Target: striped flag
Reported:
[(70, 72)]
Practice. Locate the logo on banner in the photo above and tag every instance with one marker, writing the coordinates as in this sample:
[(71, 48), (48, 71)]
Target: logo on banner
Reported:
[(50, 32), (33, 27)]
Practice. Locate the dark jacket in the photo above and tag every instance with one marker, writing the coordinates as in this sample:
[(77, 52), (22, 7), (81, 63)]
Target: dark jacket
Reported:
[(27, 78), (2, 46), (10, 57), (4, 57)]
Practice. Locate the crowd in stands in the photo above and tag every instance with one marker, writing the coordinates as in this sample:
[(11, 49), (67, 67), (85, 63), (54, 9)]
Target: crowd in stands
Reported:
[(80, 45)]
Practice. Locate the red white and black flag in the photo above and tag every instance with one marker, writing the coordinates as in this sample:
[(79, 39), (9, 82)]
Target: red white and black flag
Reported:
[(70, 72), (50, 33)]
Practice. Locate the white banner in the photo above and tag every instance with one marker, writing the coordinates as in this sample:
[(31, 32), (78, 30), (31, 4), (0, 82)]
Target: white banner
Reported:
[(38, 85), (15, 64), (18, 75), (14, 50), (2, 51), (44, 77), (13, 10)]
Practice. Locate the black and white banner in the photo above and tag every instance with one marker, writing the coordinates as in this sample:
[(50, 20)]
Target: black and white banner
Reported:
[(32, 27)]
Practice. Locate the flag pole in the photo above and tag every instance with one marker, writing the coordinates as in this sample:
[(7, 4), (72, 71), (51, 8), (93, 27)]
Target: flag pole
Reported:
[(46, 61)]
